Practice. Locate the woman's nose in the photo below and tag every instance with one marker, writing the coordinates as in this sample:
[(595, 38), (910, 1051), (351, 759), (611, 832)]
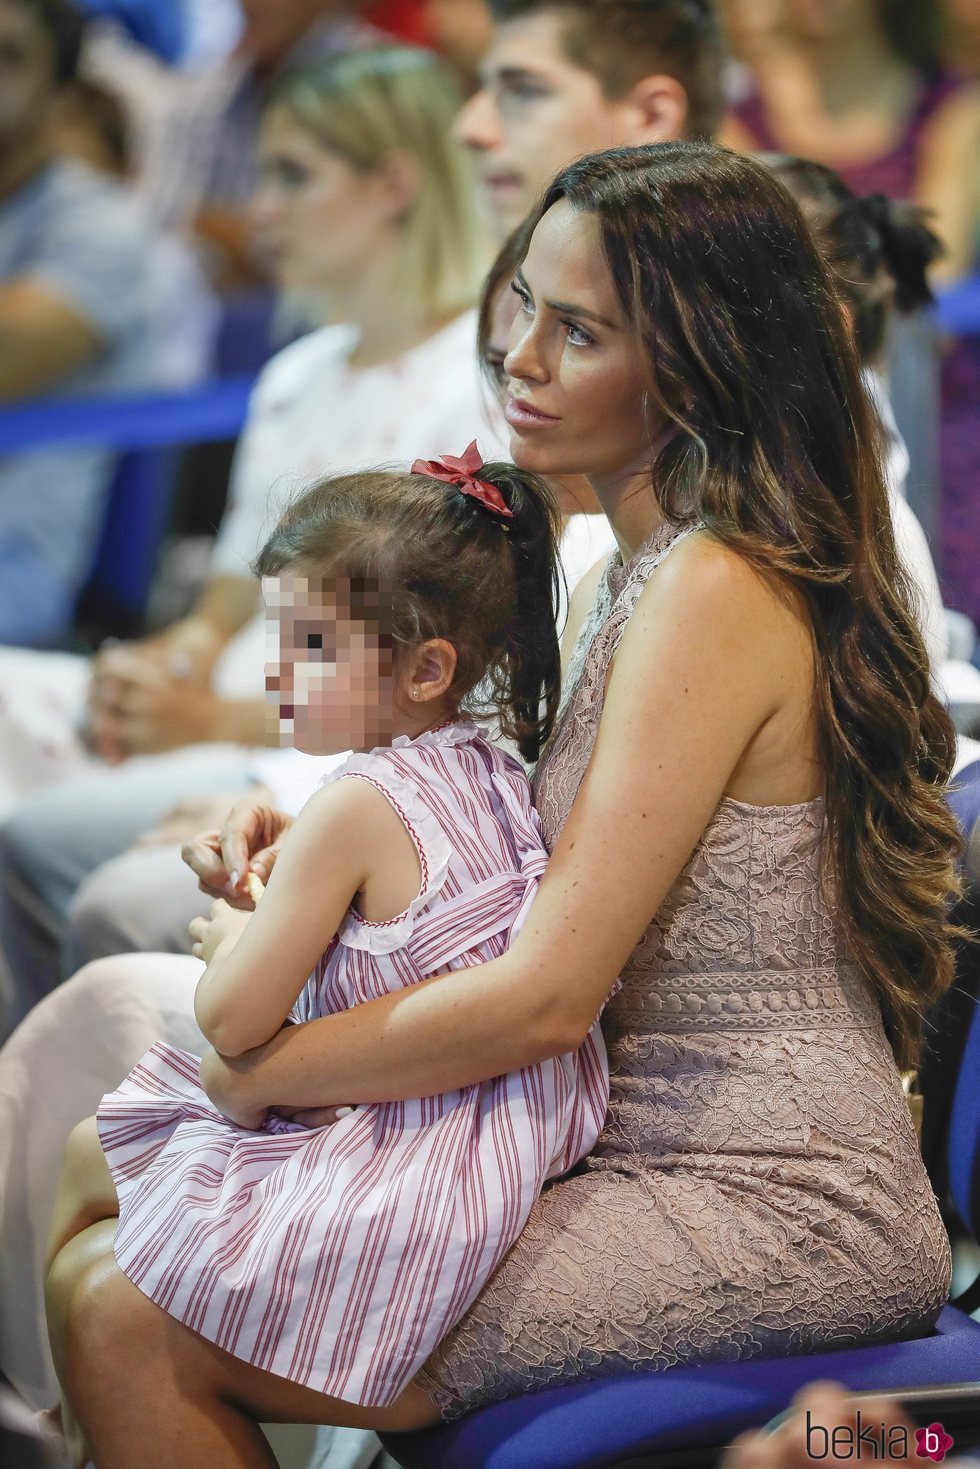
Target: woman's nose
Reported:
[(478, 123), (525, 361)]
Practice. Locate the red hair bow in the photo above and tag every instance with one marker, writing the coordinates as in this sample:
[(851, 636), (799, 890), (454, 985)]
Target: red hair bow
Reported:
[(462, 472)]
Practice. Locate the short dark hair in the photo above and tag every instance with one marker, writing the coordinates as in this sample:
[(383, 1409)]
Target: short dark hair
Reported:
[(64, 25), (621, 41)]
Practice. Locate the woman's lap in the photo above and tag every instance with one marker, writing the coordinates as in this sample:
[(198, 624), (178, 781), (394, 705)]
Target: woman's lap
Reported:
[(617, 1271)]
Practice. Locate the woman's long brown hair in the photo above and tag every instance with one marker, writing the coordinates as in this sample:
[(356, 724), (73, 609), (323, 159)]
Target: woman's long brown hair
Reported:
[(750, 356)]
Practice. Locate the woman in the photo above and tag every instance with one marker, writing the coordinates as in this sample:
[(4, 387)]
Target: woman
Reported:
[(744, 801)]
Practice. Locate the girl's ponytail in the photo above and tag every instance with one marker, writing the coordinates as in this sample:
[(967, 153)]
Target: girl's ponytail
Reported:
[(531, 668)]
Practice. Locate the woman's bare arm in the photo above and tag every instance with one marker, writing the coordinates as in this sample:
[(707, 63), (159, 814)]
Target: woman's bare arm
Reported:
[(695, 678)]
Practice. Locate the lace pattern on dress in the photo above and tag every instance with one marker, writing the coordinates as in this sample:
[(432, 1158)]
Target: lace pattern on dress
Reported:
[(757, 1189)]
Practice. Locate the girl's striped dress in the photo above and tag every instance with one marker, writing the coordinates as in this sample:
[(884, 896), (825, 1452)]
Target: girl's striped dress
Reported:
[(339, 1257)]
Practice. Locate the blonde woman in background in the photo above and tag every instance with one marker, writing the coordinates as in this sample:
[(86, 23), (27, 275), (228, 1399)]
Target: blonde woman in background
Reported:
[(366, 205)]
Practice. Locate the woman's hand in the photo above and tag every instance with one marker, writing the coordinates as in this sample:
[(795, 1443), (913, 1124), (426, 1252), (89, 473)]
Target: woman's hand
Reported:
[(224, 928), (312, 1117), (249, 841)]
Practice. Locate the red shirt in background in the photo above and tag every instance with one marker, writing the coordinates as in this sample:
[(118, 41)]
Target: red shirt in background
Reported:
[(405, 19)]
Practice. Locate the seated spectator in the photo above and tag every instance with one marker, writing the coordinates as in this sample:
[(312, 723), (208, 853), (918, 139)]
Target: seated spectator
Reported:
[(76, 319), (367, 201), (860, 87)]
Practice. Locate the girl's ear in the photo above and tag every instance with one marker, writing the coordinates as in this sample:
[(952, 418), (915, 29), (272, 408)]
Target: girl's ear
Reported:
[(430, 671)]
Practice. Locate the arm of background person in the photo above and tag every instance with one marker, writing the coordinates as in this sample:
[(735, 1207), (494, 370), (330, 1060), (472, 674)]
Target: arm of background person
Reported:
[(687, 694), (42, 339), (948, 182)]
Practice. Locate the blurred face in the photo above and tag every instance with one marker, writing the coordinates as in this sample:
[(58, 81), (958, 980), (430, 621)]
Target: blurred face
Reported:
[(316, 219), (331, 686), (26, 72), (534, 113), (577, 402)]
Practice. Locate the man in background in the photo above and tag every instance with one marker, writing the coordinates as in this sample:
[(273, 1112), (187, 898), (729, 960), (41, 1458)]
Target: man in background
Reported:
[(563, 78)]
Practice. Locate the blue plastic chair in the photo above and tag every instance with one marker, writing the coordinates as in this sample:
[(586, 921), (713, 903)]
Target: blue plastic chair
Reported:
[(136, 520), (651, 1418)]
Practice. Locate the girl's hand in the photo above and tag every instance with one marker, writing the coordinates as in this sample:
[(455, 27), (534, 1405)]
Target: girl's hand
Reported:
[(225, 926), (249, 841)]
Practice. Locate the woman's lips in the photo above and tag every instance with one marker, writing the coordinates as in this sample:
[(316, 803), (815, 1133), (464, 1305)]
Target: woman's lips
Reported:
[(519, 413)]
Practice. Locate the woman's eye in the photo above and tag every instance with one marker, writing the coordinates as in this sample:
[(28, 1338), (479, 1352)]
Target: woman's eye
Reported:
[(523, 297), (577, 335)]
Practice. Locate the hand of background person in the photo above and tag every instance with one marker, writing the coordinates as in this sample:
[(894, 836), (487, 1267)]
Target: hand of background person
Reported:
[(144, 695), (828, 1408), (197, 814), (249, 841), (224, 926)]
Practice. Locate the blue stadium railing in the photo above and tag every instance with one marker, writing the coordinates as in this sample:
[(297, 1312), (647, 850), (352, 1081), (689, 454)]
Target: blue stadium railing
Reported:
[(146, 431)]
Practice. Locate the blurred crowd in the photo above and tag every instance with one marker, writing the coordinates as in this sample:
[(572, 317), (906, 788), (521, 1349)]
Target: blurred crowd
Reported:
[(310, 194), (145, 247)]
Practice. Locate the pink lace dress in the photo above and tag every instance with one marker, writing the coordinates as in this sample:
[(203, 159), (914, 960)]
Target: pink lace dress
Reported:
[(757, 1189)]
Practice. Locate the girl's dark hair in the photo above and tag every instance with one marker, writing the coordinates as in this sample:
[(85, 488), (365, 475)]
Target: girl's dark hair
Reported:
[(453, 570), (879, 249), (750, 356)]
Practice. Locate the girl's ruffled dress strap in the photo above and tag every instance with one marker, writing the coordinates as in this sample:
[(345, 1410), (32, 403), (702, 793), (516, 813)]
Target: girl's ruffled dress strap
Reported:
[(431, 844)]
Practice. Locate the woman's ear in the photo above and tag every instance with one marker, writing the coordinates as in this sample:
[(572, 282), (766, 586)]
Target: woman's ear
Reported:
[(430, 671), (399, 177)]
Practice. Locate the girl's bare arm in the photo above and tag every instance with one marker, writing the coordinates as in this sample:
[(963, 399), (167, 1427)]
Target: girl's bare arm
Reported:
[(694, 680)]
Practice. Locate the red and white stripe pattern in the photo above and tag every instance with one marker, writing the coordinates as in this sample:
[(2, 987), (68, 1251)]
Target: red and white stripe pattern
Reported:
[(340, 1257)]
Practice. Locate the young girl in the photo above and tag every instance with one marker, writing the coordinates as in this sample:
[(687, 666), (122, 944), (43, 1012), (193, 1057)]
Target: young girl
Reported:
[(338, 1257)]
